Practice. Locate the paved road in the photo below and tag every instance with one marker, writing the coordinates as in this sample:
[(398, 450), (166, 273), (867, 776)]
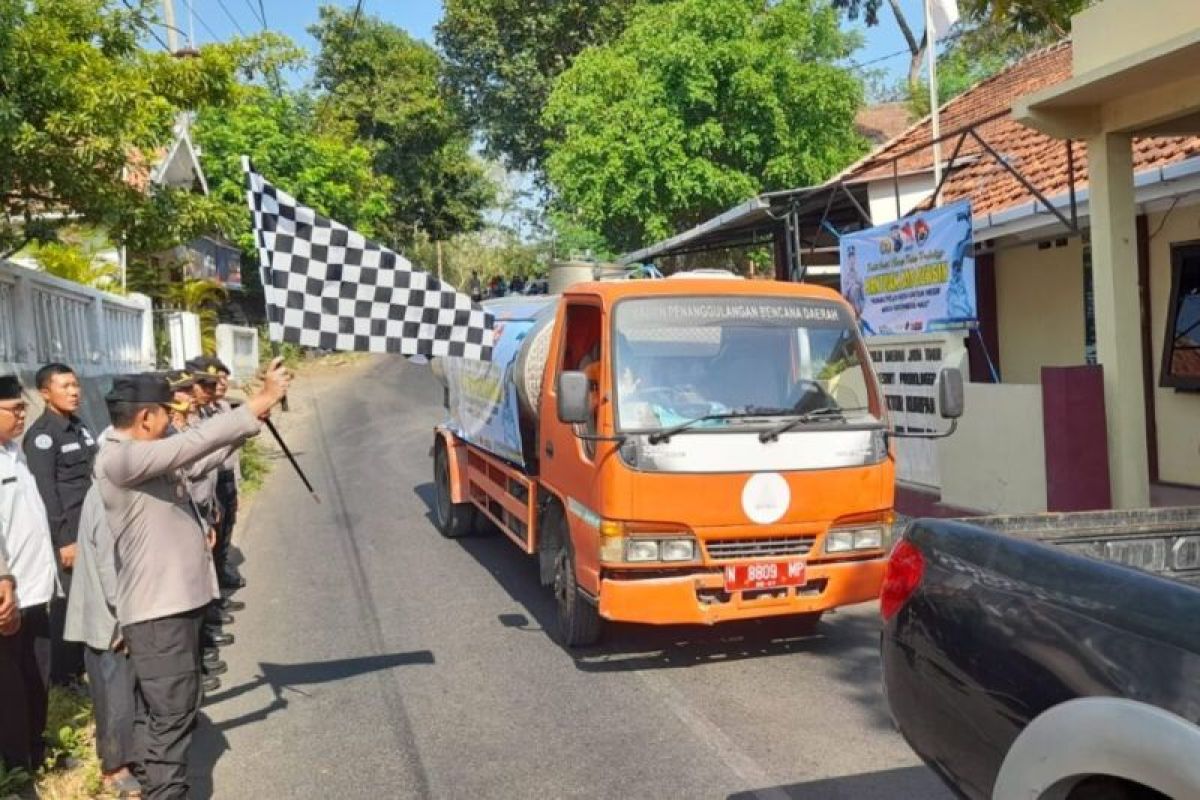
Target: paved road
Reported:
[(378, 660)]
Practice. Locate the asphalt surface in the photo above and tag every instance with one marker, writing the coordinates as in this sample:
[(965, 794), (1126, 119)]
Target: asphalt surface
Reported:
[(377, 659)]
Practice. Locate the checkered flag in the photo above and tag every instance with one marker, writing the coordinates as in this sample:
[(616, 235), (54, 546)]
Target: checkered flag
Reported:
[(330, 287)]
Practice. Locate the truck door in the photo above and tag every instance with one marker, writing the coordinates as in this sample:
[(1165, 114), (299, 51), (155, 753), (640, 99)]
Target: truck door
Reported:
[(568, 464)]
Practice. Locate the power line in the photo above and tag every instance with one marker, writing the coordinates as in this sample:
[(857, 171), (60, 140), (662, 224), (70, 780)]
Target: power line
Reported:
[(262, 12), (208, 28), (255, 15), (232, 18), (149, 25), (357, 13), (945, 40)]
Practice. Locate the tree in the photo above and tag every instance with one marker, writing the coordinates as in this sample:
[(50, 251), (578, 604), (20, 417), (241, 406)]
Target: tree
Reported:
[(386, 88), (698, 105), (78, 98), (324, 169), (869, 11), (504, 55)]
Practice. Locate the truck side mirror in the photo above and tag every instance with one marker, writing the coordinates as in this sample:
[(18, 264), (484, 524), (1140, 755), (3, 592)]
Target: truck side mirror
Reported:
[(950, 393), (573, 407)]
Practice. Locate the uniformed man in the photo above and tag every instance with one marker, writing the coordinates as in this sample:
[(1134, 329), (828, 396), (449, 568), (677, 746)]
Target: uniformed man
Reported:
[(59, 449), (165, 577), (28, 581), (201, 482), (226, 490), (203, 485)]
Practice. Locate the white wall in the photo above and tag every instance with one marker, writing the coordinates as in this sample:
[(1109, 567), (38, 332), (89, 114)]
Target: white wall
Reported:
[(44, 319), (1039, 307), (996, 460), (881, 195)]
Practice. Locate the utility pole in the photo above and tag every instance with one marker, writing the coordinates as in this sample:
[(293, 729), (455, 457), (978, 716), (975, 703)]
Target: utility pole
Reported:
[(172, 31)]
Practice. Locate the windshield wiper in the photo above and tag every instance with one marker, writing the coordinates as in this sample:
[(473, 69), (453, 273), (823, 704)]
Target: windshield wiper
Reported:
[(666, 433), (816, 415)]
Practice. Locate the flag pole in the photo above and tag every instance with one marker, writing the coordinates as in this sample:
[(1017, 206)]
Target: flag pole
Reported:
[(931, 48)]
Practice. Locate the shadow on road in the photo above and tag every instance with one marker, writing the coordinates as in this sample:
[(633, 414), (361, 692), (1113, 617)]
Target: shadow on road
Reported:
[(209, 742), (883, 785), (849, 641)]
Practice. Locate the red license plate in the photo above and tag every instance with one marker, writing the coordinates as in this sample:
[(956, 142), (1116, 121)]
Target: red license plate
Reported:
[(763, 575)]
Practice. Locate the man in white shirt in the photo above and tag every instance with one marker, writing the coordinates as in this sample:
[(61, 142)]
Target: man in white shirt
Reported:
[(26, 549)]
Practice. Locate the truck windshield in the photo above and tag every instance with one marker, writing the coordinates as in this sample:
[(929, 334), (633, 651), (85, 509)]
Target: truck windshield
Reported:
[(738, 361)]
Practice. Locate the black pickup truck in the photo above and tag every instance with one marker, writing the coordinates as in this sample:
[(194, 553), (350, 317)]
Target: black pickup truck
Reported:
[(1021, 660)]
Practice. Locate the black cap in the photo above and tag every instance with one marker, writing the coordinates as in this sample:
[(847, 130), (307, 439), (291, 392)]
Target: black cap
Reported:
[(206, 368), (10, 387), (180, 380), (144, 387)]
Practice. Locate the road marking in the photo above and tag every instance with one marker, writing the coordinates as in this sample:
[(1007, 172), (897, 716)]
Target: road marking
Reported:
[(735, 759)]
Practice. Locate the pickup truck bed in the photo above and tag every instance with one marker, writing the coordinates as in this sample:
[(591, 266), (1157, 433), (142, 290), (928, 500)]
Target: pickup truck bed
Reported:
[(1001, 628)]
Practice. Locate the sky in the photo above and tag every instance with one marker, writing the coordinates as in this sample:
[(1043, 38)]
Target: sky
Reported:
[(221, 19)]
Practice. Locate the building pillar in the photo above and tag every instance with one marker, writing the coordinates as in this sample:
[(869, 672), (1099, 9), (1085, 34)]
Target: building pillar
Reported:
[(1118, 315)]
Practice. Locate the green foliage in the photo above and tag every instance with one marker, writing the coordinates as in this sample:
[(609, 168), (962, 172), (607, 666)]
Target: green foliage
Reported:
[(255, 468), (78, 96), (1023, 16), (490, 252), (325, 169), (1050, 18), (202, 298), (504, 56), (70, 740), (12, 780), (74, 263), (698, 105), (385, 88)]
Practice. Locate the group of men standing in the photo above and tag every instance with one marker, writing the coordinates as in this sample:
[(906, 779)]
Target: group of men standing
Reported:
[(114, 561)]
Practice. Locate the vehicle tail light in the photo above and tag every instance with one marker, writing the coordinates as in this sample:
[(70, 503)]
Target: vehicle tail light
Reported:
[(905, 569)]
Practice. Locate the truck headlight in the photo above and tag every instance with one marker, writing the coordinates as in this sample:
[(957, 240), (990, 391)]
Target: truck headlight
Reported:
[(678, 550), (839, 541), (641, 550), (865, 537)]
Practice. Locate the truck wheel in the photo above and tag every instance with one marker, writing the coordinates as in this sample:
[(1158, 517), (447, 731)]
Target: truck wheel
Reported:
[(578, 619), (454, 520)]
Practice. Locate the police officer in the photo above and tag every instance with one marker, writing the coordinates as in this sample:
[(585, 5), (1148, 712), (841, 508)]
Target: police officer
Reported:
[(226, 490), (165, 577), (60, 449), (28, 581), (200, 479)]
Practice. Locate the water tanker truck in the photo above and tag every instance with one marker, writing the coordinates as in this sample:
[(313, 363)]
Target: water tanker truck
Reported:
[(691, 450)]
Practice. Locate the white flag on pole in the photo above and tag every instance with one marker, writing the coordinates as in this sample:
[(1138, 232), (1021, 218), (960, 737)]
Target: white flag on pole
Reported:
[(942, 16)]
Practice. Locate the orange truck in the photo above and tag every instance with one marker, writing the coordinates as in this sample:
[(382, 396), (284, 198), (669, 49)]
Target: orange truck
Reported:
[(690, 450)]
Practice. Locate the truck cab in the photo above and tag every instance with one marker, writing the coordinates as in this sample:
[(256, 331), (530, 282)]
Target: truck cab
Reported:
[(718, 449)]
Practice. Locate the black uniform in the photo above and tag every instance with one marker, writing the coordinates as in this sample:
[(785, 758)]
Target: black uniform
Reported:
[(59, 451)]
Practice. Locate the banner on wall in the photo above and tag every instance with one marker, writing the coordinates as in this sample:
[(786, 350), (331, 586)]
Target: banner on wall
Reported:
[(914, 274)]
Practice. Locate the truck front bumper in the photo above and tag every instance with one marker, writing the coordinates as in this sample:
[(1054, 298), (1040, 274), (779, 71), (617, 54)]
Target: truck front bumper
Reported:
[(700, 598)]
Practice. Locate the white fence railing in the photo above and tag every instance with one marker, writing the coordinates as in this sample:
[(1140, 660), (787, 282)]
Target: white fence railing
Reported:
[(44, 318)]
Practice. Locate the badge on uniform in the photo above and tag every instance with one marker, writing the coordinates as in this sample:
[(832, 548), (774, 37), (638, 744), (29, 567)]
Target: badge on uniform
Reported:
[(43, 442)]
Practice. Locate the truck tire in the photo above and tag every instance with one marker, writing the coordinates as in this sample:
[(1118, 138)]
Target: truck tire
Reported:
[(579, 623), (454, 520)]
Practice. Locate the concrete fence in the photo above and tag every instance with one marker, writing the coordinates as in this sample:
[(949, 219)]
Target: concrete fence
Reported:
[(44, 318)]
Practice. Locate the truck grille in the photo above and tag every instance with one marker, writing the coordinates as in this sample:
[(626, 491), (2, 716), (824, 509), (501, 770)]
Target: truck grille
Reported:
[(776, 547)]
